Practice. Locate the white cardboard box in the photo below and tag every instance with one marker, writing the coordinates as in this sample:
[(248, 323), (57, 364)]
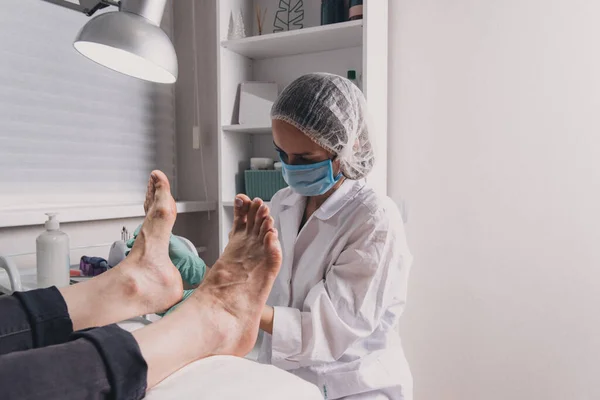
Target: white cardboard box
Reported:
[(256, 100)]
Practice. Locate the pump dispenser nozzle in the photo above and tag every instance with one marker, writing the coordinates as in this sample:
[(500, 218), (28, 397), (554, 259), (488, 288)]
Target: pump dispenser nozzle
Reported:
[(52, 224)]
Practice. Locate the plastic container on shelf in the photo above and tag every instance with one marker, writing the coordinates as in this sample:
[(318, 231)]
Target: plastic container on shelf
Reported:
[(334, 11), (261, 163), (351, 75), (263, 184)]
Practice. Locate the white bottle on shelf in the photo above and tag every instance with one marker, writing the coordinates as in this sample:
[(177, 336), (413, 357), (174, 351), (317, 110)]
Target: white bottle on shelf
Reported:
[(53, 254)]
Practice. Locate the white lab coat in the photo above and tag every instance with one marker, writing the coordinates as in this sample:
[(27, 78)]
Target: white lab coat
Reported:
[(340, 293)]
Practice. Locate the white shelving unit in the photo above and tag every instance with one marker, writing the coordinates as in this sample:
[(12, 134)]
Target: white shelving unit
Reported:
[(301, 41), (230, 203), (281, 58), (248, 129)]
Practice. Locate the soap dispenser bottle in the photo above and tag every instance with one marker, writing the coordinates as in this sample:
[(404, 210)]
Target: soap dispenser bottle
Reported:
[(52, 252)]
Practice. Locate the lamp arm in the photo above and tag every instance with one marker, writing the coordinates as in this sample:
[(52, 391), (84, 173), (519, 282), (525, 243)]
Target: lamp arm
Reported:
[(87, 7)]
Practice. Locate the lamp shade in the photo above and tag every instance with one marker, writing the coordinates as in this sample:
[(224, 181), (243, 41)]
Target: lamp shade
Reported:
[(130, 44)]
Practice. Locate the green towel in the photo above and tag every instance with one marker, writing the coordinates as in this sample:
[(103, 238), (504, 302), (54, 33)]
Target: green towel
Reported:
[(191, 267)]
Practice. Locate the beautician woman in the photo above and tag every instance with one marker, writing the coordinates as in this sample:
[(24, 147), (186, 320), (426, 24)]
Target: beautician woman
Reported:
[(332, 315)]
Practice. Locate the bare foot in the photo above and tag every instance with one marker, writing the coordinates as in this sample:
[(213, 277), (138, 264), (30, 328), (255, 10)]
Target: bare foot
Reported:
[(237, 286), (154, 278), (145, 282)]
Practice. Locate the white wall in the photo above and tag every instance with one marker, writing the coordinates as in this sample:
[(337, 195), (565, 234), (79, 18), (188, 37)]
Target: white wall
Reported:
[(495, 135)]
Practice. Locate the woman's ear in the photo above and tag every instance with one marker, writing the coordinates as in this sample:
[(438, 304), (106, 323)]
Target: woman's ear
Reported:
[(337, 167)]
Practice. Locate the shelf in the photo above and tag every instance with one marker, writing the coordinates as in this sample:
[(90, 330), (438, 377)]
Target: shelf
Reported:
[(248, 129), (229, 204), (300, 41), (195, 206), (30, 217)]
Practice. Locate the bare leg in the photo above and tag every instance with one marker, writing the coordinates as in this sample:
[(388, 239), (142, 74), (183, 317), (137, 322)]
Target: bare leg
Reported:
[(145, 282), (222, 316)]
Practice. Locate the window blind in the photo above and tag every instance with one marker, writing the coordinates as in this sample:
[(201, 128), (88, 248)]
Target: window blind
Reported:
[(73, 132)]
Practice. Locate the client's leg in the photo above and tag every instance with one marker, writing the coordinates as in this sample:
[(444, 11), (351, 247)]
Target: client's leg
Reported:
[(221, 317), (101, 363), (35, 319), (145, 282)]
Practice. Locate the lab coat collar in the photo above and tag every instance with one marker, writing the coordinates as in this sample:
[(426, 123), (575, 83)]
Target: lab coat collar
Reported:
[(334, 203)]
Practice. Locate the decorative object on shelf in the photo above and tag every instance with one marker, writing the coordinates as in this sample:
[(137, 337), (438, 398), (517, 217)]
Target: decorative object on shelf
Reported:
[(263, 184), (240, 27), (356, 10), (256, 100), (237, 29), (230, 28), (334, 11), (290, 16), (260, 18)]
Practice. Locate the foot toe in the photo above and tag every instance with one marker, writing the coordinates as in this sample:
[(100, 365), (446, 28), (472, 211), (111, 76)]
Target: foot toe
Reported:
[(266, 226), (256, 203), (161, 185), (272, 248), (240, 211), (160, 179), (149, 195), (261, 215)]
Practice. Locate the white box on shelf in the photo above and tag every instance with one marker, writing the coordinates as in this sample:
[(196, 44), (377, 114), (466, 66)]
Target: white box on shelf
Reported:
[(256, 100)]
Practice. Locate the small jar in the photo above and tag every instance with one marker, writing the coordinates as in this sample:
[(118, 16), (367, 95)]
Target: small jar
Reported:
[(356, 10)]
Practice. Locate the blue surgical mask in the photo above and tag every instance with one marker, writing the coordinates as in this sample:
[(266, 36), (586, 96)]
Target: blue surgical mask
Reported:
[(311, 179)]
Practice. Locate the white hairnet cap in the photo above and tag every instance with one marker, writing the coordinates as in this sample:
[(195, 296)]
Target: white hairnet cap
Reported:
[(331, 111)]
